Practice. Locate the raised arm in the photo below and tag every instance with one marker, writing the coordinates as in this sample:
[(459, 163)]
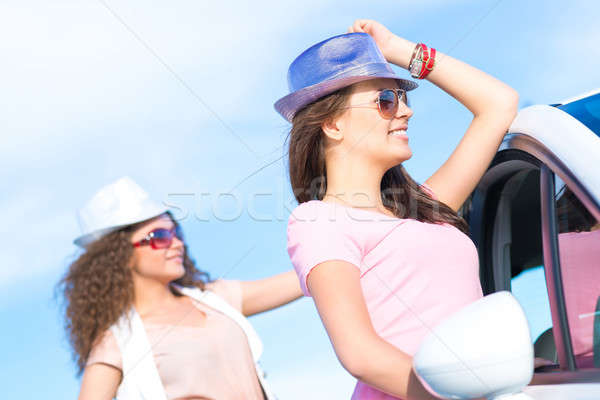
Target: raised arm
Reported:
[(492, 102), (269, 293), (494, 106), (335, 288)]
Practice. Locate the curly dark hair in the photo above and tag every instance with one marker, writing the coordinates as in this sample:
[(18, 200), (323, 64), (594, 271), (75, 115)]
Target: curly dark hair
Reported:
[(400, 193), (98, 288)]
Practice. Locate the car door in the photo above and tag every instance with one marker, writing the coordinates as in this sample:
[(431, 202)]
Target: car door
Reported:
[(534, 238)]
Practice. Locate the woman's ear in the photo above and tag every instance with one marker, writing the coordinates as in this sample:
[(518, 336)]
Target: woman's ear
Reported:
[(333, 128)]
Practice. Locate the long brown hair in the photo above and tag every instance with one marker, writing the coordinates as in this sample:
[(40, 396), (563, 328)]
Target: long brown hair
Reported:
[(98, 288), (399, 192)]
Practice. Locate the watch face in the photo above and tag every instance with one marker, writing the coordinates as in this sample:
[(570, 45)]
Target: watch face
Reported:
[(415, 68)]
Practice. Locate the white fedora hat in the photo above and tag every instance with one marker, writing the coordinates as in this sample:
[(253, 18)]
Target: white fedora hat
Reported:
[(114, 206)]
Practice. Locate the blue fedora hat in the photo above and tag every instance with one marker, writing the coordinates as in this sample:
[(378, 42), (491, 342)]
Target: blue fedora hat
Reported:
[(332, 64)]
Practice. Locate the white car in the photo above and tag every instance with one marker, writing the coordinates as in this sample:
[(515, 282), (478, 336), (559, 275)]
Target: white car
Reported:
[(535, 219)]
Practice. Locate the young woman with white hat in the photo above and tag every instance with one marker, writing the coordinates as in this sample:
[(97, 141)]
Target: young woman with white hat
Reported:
[(145, 323), (384, 258)]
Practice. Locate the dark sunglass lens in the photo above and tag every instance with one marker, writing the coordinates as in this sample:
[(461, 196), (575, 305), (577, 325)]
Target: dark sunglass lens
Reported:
[(161, 238), (388, 103)]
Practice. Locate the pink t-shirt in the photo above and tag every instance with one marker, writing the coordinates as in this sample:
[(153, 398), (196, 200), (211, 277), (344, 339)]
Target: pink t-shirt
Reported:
[(413, 274), (212, 361)]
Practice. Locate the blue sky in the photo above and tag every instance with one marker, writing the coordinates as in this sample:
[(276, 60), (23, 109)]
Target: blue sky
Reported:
[(91, 91)]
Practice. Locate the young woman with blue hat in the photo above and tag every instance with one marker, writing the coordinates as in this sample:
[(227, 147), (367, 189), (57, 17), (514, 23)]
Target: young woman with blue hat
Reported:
[(145, 323), (384, 258)]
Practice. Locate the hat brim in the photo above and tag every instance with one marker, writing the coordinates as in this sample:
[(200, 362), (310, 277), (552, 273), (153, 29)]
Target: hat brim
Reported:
[(289, 105), (86, 239)]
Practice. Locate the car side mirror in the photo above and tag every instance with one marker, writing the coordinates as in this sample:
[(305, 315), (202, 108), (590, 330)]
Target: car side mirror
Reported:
[(483, 350)]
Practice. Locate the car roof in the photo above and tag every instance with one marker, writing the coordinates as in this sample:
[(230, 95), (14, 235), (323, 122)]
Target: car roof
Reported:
[(586, 109), (579, 97), (572, 140)]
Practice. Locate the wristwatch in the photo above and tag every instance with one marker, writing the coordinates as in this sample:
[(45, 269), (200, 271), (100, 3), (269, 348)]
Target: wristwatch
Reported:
[(416, 62)]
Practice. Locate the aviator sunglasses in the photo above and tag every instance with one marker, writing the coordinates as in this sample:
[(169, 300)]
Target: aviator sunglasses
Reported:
[(388, 102), (161, 238)]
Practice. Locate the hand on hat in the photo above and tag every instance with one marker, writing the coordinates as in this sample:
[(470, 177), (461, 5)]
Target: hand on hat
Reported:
[(395, 49), (382, 35)]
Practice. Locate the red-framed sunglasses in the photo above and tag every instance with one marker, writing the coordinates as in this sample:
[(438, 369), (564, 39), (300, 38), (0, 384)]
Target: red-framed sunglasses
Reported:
[(161, 238), (387, 101)]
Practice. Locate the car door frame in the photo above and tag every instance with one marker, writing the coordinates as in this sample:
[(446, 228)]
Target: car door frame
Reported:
[(523, 151)]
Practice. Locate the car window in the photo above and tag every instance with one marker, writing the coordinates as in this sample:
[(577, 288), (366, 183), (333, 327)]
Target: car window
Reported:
[(529, 288), (579, 255), (518, 258)]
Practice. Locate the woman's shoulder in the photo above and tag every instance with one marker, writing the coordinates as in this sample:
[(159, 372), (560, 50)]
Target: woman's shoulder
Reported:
[(228, 289), (309, 210), (316, 218), (106, 351), (327, 213), (324, 225)]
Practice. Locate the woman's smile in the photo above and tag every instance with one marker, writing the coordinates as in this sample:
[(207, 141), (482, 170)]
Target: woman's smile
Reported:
[(400, 134)]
